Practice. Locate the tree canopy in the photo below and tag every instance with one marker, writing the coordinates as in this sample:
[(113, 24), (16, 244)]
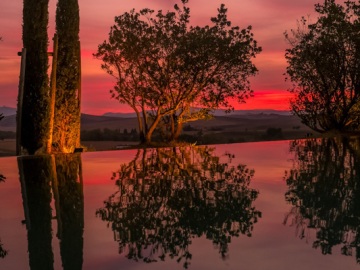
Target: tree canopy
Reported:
[(164, 65), (323, 64), (66, 135)]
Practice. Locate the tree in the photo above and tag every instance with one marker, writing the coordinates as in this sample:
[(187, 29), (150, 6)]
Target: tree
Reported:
[(323, 64), (164, 65), (66, 135), (35, 109)]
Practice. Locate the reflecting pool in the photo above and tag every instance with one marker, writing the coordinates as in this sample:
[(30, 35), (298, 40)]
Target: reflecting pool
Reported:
[(268, 205)]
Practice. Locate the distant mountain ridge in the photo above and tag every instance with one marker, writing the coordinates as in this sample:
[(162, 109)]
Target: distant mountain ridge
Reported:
[(216, 113), (6, 111), (128, 120)]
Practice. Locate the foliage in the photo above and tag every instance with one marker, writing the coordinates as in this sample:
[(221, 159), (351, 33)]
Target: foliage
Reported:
[(162, 63), (168, 196), (35, 109), (109, 135), (323, 64), (7, 135), (273, 134), (324, 191), (66, 135)]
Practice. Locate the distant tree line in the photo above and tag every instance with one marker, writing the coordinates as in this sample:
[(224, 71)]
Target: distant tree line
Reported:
[(109, 135)]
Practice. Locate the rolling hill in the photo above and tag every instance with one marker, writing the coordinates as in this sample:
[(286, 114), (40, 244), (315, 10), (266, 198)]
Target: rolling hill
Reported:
[(235, 122)]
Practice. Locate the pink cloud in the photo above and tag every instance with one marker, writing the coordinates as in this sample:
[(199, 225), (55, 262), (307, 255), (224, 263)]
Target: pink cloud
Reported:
[(268, 18)]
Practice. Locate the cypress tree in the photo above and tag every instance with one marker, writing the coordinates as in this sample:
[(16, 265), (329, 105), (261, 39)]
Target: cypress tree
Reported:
[(66, 134), (35, 108)]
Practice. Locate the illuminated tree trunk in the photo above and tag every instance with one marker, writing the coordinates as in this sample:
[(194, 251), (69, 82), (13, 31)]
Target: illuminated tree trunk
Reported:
[(66, 136), (35, 107)]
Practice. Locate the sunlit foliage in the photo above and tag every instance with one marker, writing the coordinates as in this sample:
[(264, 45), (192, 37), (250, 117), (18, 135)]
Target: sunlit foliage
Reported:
[(66, 135)]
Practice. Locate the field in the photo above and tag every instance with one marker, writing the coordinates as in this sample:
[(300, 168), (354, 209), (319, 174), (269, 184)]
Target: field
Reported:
[(221, 129), (7, 147)]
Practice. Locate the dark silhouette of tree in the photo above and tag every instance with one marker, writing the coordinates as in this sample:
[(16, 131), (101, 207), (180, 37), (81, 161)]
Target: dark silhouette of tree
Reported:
[(163, 64), (35, 176), (66, 135), (35, 108), (168, 196), (324, 189), (323, 64)]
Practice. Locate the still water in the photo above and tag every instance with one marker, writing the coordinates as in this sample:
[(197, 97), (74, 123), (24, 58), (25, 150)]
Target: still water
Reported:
[(269, 205)]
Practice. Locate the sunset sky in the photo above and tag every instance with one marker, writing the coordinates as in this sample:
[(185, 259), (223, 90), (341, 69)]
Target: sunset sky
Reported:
[(269, 18)]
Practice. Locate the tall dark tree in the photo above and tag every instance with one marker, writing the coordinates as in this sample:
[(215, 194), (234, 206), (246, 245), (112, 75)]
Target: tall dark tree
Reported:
[(66, 135), (35, 108), (324, 66)]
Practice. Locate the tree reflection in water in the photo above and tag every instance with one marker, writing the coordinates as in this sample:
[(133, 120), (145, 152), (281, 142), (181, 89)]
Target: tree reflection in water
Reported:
[(69, 203), (169, 196), (35, 177), (3, 251), (60, 174), (324, 189)]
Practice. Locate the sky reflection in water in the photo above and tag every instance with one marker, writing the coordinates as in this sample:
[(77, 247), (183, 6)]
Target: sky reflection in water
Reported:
[(238, 206)]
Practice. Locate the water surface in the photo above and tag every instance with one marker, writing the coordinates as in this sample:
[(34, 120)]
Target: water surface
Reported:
[(268, 205)]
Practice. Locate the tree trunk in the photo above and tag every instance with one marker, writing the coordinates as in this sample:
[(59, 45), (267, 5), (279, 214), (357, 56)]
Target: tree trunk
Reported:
[(177, 132), (140, 125), (152, 128)]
